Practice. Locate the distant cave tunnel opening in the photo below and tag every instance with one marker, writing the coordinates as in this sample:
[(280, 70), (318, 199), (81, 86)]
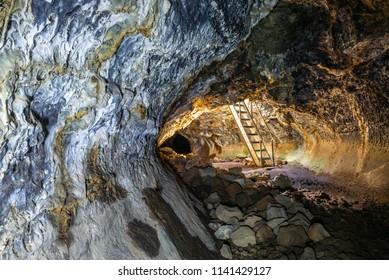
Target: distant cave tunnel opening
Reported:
[(178, 143)]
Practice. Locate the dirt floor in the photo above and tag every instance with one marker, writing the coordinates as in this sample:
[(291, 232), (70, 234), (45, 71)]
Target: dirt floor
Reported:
[(356, 216)]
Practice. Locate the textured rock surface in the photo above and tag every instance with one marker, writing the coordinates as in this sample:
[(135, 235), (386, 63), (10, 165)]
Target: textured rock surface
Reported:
[(225, 213), (243, 236), (292, 236), (84, 88), (225, 251), (317, 232)]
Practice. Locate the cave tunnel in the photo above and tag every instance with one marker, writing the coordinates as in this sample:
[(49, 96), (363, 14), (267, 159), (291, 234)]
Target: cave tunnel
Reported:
[(179, 143), (330, 156), (117, 138)]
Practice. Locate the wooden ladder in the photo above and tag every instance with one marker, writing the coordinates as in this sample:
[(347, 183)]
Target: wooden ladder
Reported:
[(251, 133)]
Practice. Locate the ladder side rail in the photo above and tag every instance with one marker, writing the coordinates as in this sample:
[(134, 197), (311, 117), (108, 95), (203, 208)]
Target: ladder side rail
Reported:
[(264, 122), (258, 132), (246, 138)]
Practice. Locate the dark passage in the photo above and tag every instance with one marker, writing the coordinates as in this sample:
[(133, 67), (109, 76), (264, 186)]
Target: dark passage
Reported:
[(179, 143)]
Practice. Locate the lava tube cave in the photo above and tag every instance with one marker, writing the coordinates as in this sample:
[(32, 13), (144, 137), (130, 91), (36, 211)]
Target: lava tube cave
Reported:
[(182, 129)]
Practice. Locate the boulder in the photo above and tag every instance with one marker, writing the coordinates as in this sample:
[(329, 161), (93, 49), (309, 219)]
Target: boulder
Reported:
[(292, 235), (225, 213), (300, 220), (243, 237), (214, 226), (317, 232), (209, 171), (262, 205), (251, 221), (223, 233), (235, 170), (276, 222), (254, 194), (282, 182), (213, 199), (283, 200), (233, 189), (275, 212), (298, 207), (264, 233), (243, 200), (225, 251), (308, 254)]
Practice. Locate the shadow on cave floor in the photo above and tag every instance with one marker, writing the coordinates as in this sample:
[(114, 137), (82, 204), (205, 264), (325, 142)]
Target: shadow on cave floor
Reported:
[(288, 211)]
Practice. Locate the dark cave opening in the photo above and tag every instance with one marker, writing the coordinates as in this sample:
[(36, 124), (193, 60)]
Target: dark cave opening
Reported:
[(179, 143)]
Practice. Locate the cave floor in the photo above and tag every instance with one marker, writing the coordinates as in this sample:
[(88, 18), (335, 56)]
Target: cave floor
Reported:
[(356, 217), (343, 188)]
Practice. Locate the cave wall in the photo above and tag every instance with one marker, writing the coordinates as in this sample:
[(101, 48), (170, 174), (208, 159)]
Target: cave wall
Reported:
[(84, 88)]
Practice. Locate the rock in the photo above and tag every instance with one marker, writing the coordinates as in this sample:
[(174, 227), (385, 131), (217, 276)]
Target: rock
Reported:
[(167, 151), (204, 191), (251, 221), (317, 232), (233, 189), (262, 205), (209, 171), (243, 200), (276, 222), (300, 220), (213, 199), (225, 251), (225, 213), (320, 254), (234, 221), (223, 233), (275, 212), (292, 235), (308, 254), (254, 194), (243, 236), (264, 233), (248, 183), (235, 170), (214, 226), (283, 200), (276, 229), (298, 207), (240, 181), (282, 182)]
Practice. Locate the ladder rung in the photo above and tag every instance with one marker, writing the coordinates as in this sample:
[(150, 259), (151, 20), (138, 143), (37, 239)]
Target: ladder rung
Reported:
[(252, 133), (248, 126), (245, 119), (240, 109), (266, 158), (263, 150)]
